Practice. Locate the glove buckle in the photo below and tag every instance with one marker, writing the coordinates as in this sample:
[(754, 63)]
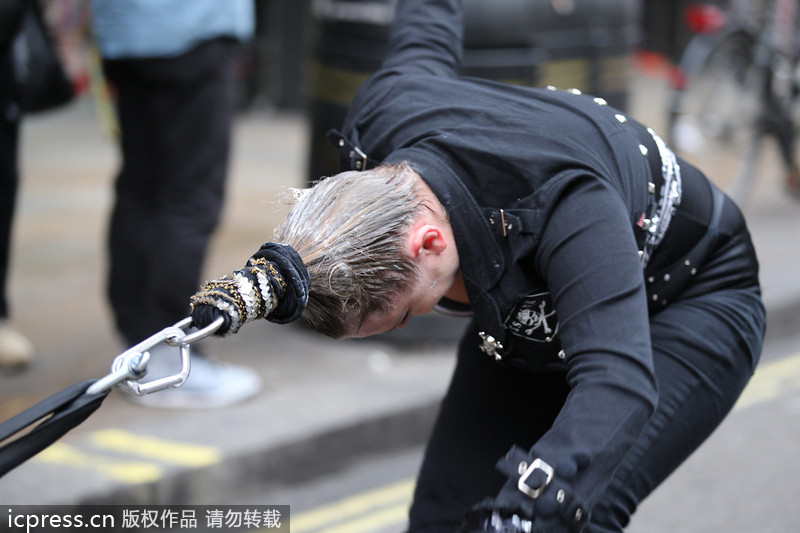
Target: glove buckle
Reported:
[(527, 470)]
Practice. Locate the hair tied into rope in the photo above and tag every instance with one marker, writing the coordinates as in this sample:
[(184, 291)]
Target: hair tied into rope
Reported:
[(273, 285)]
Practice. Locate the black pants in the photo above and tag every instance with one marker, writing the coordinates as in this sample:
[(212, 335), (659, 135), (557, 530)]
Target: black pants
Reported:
[(175, 117), (9, 171), (706, 344)]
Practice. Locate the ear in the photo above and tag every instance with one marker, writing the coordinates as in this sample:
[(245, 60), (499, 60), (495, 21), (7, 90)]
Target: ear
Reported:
[(426, 239)]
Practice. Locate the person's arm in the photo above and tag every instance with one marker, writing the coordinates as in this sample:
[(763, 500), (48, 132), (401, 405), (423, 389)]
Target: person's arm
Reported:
[(426, 37), (589, 259)]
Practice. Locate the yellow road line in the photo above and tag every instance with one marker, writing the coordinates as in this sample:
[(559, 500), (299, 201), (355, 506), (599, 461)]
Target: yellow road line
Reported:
[(320, 517), (390, 516), (133, 472), (151, 449), (179, 453), (771, 381)]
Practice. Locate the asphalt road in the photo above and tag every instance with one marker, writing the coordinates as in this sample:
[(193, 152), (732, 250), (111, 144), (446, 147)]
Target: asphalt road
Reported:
[(742, 480)]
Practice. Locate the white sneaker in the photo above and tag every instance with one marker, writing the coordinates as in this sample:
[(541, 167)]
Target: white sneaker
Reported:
[(16, 351), (211, 384)]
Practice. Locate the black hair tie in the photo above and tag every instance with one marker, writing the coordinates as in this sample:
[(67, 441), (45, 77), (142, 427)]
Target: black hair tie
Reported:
[(273, 285)]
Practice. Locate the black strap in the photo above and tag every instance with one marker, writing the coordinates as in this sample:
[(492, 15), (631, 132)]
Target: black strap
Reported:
[(351, 157), (68, 408)]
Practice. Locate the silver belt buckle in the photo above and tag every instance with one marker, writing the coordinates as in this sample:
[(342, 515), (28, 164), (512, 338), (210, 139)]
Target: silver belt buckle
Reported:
[(537, 464)]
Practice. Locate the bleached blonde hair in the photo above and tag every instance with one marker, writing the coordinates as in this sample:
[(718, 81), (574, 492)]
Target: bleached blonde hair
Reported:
[(351, 231)]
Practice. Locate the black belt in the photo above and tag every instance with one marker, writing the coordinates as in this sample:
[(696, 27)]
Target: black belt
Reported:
[(679, 263), (688, 241)]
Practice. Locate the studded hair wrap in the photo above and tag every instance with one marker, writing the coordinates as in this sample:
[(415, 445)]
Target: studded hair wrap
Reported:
[(273, 285)]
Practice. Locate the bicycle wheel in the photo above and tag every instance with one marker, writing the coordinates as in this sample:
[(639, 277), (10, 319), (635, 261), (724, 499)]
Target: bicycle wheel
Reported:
[(714, 119)]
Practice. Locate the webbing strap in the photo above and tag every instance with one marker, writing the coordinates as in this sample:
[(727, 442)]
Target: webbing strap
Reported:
[(58, 414)]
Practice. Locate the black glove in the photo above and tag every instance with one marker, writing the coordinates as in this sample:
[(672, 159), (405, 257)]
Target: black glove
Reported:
[(545, 506)]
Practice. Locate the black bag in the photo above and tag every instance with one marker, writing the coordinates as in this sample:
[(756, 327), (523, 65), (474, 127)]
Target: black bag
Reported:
[(40, 82)]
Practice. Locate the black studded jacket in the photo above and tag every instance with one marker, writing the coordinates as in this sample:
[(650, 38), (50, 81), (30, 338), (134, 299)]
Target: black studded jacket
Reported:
[(546, 192)]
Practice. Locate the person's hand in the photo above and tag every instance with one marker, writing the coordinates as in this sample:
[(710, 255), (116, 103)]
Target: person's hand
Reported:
[(537, 498)]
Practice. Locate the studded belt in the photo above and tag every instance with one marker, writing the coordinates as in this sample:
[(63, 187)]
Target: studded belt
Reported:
[(664, 190)]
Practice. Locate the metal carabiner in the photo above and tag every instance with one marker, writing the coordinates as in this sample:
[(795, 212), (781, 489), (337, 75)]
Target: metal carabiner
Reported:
[(131, 366), (198, 335)]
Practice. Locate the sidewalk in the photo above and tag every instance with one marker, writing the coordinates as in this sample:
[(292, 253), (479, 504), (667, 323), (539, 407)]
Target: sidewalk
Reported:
[(324, 403)]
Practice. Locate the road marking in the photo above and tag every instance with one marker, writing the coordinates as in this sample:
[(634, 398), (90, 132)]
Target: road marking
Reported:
[(134, 472), (771, 381), (397, 494), (390, 516), (155, 453), (178, 453)]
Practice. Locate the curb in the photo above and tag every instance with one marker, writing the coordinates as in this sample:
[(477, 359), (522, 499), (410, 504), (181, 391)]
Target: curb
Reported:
[(327, 450)]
